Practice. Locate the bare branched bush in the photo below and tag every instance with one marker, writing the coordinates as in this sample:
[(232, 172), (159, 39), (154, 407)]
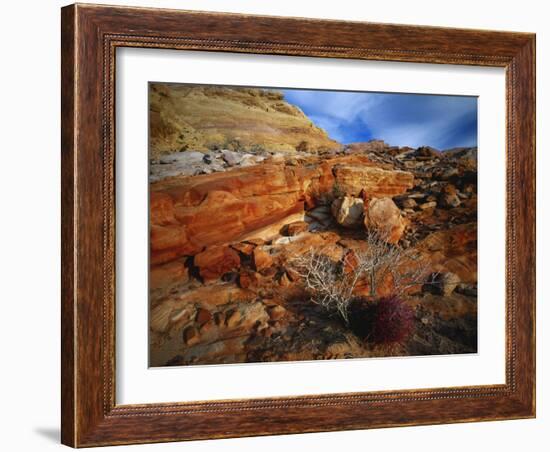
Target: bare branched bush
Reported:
[(326, 281), (332, 283)]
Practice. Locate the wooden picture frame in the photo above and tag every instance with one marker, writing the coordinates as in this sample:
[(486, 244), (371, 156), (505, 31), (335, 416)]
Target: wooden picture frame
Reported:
[(90, 36)]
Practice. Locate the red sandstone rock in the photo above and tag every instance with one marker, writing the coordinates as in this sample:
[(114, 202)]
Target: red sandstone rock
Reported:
[(323, 241), (191, 336), (189, 214), (351, 180), (295, 228), (163, 276), (247, 279), (383, 216), (276, 312), (255, 241), (203, 316), (162, 209), (262, 259), (245, 248), (348, 211), (215, 261)]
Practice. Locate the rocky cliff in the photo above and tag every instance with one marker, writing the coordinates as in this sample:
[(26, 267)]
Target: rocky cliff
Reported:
[(190, 117)]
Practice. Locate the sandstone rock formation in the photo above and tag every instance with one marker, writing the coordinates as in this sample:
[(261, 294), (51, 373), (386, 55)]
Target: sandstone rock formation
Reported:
[(200, 118), (191, 213), (353, 180), (384, 217), (215, 261)]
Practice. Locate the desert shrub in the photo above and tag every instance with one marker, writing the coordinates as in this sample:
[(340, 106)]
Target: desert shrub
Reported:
[(326, 281), (332, 283), (385, 321)]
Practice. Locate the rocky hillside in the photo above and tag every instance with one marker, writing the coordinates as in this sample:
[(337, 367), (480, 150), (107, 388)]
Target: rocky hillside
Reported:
[(200, 118), (227, 228)]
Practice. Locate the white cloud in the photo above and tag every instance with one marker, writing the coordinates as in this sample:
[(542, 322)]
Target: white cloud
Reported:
[(399, 119)]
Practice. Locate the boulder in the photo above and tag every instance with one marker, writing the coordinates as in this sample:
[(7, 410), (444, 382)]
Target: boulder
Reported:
[(453, 250), (352, 180), (216, 261), (203, 316), (232, 158), (348, 211), (261, 259), (384, 217), (446, 282), (276, 312), (247, 279), (448, 198)]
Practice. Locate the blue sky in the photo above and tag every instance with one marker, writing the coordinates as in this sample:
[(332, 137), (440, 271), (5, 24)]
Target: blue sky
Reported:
[(412, 120)]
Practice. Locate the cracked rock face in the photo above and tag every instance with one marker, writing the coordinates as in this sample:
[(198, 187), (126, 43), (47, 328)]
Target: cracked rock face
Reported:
[(191, 213)]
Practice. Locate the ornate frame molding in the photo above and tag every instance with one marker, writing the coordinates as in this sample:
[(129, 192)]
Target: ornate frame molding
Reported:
[(90, 37)]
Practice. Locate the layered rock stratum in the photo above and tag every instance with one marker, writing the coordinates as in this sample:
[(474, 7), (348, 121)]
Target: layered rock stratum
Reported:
[(190, 117)]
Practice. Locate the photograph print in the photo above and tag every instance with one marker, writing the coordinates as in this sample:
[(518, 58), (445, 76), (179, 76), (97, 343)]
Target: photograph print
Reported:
[(298, 225)]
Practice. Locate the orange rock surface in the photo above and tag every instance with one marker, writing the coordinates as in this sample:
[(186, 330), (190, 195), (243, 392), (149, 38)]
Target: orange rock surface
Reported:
[(216, 261), (383, 216), (453, 250), (165, 275), (191, 213), (372, 181)]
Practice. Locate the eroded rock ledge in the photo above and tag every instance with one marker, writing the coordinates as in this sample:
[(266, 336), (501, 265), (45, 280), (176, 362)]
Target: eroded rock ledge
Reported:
[(191, 213)]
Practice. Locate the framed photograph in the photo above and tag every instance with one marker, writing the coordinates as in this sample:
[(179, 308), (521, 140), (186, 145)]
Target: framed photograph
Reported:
[(281, 225)]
